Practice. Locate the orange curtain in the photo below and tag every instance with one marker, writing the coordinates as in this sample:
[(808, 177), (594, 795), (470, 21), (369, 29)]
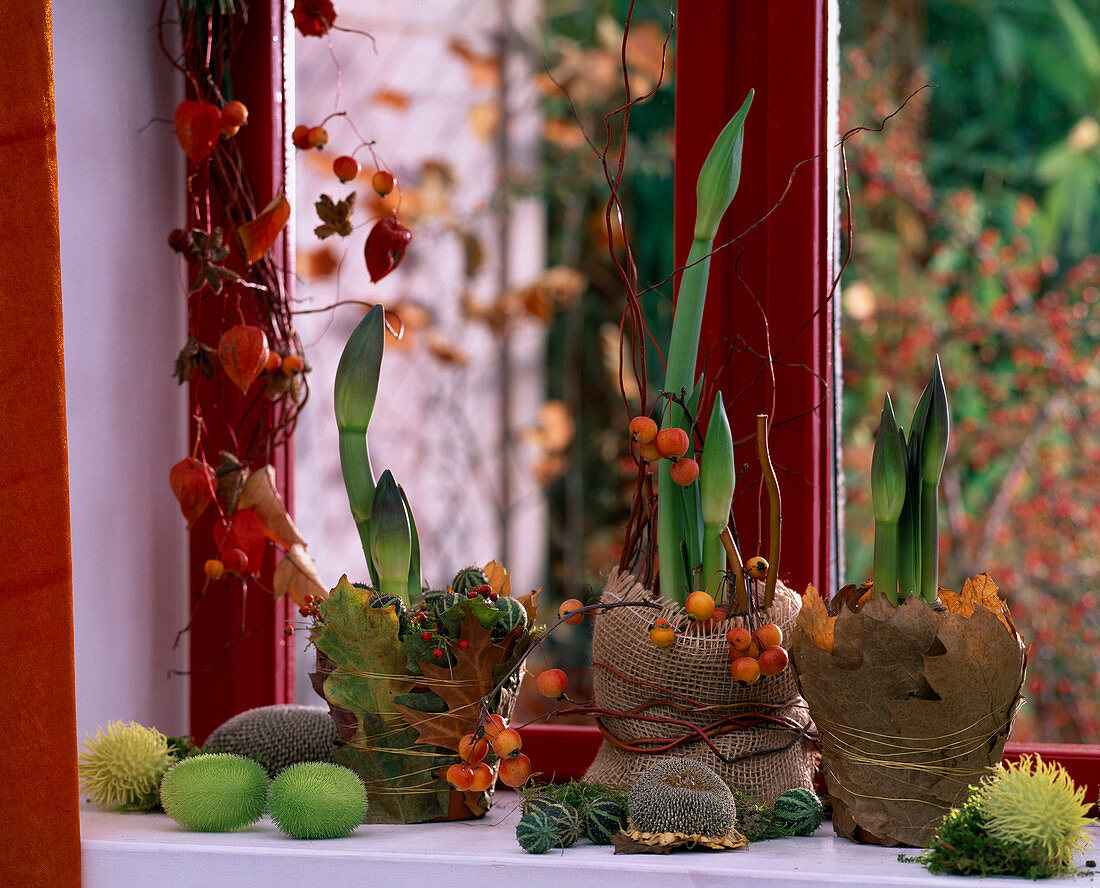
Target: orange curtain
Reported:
[(38, 783)]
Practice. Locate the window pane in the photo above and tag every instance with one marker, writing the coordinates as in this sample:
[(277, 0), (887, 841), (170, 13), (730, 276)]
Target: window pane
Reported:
[(976, 228)]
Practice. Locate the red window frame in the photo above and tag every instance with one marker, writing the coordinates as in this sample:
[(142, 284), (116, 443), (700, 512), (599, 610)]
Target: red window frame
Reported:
[(783, 51)]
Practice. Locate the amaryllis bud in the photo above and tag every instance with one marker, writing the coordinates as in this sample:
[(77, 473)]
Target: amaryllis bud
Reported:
[(385, 247)]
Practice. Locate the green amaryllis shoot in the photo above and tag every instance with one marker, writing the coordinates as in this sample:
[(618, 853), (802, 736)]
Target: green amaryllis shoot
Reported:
[(717, 477), (355, 393), (717, 185), (889, 466), (933, 451), (390, 538)]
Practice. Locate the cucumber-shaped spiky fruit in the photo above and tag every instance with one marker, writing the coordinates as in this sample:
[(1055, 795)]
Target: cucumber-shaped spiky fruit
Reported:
[(215, 792), (566, 818), (317, 800)]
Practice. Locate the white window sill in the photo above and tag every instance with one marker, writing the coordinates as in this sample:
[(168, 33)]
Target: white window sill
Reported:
[(123, 850)]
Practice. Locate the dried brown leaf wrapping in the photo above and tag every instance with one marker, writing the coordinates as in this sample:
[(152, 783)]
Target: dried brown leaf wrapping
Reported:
[(912, 707)]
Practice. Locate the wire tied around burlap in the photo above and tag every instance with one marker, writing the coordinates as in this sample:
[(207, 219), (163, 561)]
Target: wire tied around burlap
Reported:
[(681, 700)]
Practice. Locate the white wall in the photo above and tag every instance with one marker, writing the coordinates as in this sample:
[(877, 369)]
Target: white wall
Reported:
[(120, 194)]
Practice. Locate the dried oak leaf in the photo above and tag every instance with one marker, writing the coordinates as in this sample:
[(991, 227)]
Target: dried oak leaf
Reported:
[(814, 620), (297, 577), (496, 575), (461, 686), (979, 590), (261, 496), (335, 217)]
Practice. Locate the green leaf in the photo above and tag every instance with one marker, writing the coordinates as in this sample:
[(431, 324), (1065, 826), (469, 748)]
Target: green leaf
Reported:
[(486, 615), (368, 677), (391, 538), (889, 467)]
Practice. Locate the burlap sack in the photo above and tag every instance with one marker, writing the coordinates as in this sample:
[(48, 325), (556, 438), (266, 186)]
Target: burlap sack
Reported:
[(631, 674)]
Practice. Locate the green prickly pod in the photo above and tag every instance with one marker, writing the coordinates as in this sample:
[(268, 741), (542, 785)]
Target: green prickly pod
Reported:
[(121, 766), (215, 792), (317, 800)]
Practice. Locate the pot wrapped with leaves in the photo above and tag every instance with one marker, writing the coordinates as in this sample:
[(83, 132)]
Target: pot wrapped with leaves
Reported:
[(410, 673), (913, 688)]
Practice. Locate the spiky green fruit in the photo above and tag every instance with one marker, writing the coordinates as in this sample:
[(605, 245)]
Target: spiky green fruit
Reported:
[(121, 766), (1034, 806), (317, 800), (801, 810), (277, 736), (682, 796), (468, 579), (215, 792)]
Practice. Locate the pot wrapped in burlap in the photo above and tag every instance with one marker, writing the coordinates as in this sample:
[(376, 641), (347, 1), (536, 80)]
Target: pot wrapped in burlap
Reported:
[(759, 736), (913, 703)]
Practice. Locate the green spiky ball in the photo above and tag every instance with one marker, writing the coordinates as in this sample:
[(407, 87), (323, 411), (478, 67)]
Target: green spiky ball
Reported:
[(565, 819), (317, 800), (121, 766), (216, 792), (1034, 806)]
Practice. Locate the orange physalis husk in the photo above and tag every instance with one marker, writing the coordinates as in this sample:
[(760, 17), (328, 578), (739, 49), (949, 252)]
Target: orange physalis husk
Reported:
[(258, 236), (246, 532), (314, 18), (198, 128), (242, 351), (385, 247), (193, 483)]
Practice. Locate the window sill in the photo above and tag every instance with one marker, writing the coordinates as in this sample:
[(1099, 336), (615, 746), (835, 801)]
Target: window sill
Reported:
[(123, 850)]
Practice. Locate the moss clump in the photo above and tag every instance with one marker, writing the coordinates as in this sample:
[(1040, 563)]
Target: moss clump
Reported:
[(121, 766), (681, 795), (215, 792), (317, 800), (756, 821)]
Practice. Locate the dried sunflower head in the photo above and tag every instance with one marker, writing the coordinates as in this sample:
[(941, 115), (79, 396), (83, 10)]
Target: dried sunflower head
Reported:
[(1034, 806), (121, 766)]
